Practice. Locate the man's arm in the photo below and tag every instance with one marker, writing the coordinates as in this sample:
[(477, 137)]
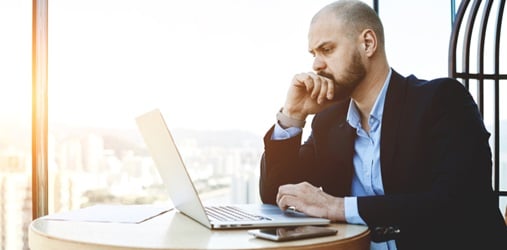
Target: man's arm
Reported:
[(280, 165)]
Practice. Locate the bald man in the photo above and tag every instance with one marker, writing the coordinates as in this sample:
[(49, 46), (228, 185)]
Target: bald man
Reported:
[(407, 157)]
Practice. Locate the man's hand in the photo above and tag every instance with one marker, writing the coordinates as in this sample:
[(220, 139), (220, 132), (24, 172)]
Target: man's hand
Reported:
[(310, 200), (308, 93)]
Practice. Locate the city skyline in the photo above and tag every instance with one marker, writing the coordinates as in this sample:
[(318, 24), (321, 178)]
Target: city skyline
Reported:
[(105, 166)]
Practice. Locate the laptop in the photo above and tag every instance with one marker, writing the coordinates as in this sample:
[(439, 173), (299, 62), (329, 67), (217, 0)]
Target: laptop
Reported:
[(185, 198)]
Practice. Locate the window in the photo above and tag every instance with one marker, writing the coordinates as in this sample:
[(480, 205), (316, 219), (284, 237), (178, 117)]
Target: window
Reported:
[(417, 45), (216, 70), (15, 123)]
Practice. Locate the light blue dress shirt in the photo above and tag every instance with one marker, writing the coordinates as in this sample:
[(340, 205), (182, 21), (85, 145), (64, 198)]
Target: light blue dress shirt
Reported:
[(367, 179)]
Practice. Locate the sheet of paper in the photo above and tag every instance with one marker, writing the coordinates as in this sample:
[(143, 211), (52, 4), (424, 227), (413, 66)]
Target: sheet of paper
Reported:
[(112, 213)]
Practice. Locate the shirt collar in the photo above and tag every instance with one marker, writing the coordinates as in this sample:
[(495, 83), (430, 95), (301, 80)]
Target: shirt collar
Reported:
[(353, 117)]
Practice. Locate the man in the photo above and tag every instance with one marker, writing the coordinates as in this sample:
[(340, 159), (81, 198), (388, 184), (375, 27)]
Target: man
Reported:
[(407, 157)]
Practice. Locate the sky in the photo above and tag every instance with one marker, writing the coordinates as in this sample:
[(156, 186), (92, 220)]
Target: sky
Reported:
[(223, 64)]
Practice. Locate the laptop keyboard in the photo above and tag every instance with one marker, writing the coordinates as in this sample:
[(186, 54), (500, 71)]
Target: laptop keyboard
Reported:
[(229, 213)]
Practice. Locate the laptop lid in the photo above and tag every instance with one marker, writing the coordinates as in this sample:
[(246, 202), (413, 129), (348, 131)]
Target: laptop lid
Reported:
[(184, 196), (170, 166)]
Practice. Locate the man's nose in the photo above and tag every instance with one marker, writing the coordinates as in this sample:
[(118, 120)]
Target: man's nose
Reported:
[(318, 64)]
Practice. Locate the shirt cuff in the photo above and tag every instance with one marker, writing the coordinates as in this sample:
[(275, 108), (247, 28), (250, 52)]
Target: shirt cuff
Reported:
[(351, 211), (280, 133)]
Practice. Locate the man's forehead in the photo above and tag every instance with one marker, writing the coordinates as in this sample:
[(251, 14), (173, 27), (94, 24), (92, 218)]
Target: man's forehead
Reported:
[(323, 30)]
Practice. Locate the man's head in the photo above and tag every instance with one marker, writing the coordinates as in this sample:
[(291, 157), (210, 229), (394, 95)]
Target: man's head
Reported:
[(347, 40)]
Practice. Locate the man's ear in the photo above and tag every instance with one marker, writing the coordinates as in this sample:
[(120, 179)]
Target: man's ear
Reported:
[(369, 42)]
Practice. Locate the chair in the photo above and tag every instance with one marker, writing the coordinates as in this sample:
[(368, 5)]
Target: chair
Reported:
[(478, 67)]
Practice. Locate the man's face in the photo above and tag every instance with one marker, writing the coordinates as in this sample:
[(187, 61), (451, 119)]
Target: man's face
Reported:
[(336, 54)]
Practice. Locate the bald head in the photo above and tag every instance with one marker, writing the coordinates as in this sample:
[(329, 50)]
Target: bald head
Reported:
[(355, 16)]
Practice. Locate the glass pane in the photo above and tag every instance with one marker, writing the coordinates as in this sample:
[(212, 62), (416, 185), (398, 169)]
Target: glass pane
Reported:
[(15, 123), (417, 46), (217, 72)]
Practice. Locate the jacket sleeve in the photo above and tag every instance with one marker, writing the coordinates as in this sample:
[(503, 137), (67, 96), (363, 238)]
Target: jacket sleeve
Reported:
[(282, 163), (324, 159)]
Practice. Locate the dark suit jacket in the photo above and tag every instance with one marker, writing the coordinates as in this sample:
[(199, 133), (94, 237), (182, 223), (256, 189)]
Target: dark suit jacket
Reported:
[(435, 164)]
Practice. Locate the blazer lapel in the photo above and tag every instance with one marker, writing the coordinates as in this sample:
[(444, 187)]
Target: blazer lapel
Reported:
[(395, 97), (338, 149)]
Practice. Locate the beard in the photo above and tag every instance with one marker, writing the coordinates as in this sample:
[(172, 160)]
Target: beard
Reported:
[(347, 83)]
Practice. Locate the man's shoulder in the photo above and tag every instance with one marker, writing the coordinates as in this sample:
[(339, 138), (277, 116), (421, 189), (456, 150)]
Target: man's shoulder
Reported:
[(439, 82), (443, 91), (436, 86)]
